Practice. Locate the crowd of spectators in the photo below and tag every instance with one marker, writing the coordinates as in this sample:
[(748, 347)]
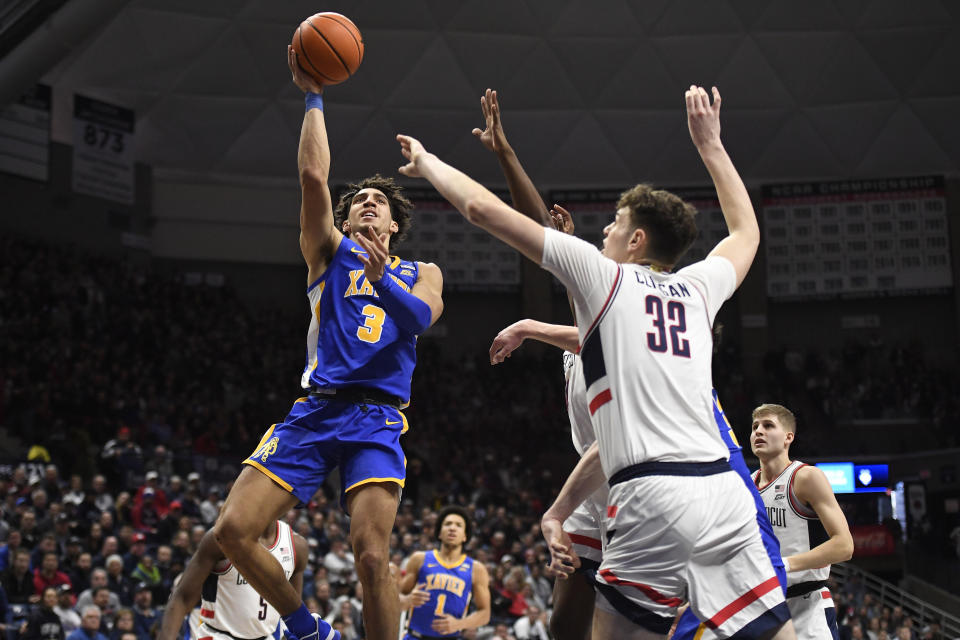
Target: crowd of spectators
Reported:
[(140, 394), (862, 616)]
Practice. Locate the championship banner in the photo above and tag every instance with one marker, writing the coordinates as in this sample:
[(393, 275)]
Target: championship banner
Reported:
[(103, 150), (471, 259), (594, 209), (25, 135), (856, 238)]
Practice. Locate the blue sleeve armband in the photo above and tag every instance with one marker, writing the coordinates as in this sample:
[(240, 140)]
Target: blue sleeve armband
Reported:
[(313, 100), (409, 312)]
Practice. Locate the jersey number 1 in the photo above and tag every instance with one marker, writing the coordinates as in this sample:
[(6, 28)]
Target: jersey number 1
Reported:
[(677, 315), (372, 327), (441, 600)]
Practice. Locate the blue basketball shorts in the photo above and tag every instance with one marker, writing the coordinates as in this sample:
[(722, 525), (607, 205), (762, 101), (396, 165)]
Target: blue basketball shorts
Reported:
[(320, 434)]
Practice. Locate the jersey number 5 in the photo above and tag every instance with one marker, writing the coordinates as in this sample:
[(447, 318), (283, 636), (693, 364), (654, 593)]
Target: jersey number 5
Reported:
[(677, 315), (372, 327)]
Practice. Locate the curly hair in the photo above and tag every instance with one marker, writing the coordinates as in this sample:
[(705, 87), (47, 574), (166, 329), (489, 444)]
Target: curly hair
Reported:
[(665, 218), (400, 207), (455, 510)]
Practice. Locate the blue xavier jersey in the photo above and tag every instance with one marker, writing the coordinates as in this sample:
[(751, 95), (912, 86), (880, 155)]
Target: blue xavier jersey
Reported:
[(352, 341), (450, 589)]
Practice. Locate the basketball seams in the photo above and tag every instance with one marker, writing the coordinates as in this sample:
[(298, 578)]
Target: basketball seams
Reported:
[(332, 48), (303, 52), (350, 27)]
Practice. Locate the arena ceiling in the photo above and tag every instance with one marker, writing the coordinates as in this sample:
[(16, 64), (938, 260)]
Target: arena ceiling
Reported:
[(592, 90)]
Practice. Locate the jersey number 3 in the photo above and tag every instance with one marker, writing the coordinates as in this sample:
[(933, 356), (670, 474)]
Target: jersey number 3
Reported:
[(372, 326), (677, 315)]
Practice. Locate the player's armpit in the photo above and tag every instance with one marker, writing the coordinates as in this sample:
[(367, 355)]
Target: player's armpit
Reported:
[(429, 288)]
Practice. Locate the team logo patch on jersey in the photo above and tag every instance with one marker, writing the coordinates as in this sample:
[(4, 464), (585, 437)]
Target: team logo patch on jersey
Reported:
[(612, 511), (268, 449)]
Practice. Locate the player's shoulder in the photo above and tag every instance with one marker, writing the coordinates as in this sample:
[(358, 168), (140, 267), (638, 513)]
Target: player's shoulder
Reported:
[(479, 570), (809, 479), (428, 268), (416, 559), (710, 265)]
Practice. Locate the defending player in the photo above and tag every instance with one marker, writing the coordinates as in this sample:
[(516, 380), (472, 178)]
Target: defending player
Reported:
[(679, 520), (367, 309), (231, 609), (573, 597), (810, 525), (451, 579)]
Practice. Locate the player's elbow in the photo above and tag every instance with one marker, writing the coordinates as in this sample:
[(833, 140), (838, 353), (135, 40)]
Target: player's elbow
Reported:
[(313, 178), (475, 211), (483, 617), (845, 552)]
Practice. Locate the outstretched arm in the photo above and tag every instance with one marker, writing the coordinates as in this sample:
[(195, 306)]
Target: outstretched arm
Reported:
[(703, 119), (526, 198), (473, 200), (510, 338), (812, 487), (318, 237), (187, 593)]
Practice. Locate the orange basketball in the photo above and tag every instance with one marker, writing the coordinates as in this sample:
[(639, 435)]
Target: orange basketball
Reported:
[(329, 47)]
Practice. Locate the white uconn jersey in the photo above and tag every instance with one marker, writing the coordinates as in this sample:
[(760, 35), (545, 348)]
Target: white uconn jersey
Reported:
[(581, 429), (796, 525), (646, 345), (229, 604)]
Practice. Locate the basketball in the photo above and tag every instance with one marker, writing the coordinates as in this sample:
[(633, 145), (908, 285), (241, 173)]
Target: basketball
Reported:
[(329, 47)]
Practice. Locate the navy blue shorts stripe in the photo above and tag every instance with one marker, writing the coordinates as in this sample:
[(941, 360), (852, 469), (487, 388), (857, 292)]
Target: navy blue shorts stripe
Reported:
[(633, 612), (764, 623), (669, 469)]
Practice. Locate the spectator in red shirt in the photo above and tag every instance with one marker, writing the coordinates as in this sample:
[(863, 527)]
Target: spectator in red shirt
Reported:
[(152, 485), (49, 574)]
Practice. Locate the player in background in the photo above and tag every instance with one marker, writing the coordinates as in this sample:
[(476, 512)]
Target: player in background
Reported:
[(230, 608), (646, 346), (806, 518), (450, 578), (367, 309)]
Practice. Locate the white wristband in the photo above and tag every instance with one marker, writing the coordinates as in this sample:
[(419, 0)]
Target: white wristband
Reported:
[(786, 565)]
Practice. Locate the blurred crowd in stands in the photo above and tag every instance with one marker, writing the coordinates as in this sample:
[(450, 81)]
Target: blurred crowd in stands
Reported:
[(139, 395)]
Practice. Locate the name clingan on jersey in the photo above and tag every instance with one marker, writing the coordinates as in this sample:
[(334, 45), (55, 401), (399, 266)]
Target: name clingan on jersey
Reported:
[(677, 290), (446, 582), (360, 287)]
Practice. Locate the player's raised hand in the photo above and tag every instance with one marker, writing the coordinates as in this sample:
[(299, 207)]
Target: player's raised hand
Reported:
[(413, 150), (562, 220), (419, 595), (300, 77), (563, 559), (375, 261), (492, 137), (445, 624), (507, 342), (702, 117)]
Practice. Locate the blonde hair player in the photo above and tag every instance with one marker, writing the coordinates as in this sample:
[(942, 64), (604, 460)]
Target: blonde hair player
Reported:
[(806, 519)]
